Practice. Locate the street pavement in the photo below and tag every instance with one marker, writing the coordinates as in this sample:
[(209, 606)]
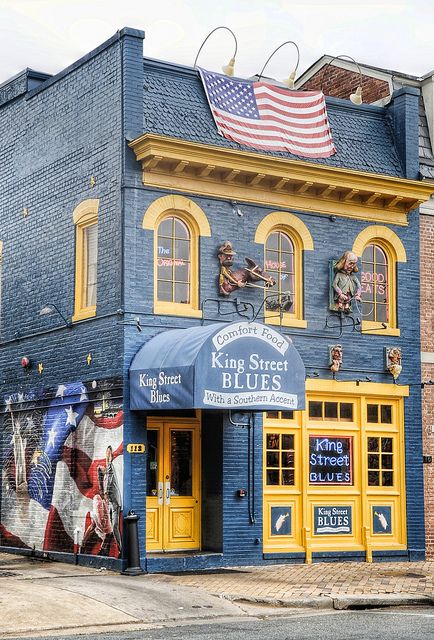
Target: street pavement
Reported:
[(40, 598)]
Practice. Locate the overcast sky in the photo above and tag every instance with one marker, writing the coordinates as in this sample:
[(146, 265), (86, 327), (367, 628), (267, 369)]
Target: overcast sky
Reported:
[(48, 35)]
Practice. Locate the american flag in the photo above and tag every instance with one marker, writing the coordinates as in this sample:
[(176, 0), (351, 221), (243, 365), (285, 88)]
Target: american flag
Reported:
[(263, 116), (59, 450)]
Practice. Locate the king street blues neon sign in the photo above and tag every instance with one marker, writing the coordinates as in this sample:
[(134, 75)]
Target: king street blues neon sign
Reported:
[(242, 365)]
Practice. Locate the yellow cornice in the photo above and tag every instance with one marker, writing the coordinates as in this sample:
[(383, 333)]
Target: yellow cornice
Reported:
[(201, 169), (357, 388)]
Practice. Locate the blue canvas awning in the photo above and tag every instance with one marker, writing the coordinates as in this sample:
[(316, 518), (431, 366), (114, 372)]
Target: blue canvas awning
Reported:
[(241, 365)]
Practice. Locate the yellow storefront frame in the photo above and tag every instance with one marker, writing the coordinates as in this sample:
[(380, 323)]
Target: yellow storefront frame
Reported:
[(371, 506)]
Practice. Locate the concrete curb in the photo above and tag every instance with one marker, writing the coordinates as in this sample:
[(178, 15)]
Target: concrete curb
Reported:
[(339, 602)]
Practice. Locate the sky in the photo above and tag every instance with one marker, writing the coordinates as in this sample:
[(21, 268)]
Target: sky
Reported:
[(48, 35)]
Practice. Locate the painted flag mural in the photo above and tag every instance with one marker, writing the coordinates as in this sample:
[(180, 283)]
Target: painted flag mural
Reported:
[(264, 116), (62, 471)]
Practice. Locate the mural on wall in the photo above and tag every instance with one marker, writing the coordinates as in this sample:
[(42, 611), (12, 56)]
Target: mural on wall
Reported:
[(62, 470)]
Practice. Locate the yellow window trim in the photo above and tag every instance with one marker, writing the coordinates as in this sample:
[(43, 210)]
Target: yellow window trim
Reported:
[(162, 206), (175, 308), (363, 388), (299, 234), (378, 232), (395, 252), (84, 215)]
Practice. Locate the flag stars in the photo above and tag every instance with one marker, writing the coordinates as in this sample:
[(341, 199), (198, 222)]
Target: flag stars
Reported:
[(71, 417), (60, 391)]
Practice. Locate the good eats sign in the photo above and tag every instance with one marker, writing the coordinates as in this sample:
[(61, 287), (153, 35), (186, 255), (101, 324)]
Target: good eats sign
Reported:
[(241, 365)]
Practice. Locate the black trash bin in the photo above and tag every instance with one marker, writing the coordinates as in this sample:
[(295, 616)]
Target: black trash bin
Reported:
[(132, 544)]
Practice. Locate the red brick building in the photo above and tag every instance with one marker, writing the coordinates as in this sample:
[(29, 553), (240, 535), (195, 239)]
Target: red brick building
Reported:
[(339, 78)]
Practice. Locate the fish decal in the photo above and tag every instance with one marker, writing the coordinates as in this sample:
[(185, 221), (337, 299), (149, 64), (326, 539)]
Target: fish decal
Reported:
[(382, 520), (280, 520)]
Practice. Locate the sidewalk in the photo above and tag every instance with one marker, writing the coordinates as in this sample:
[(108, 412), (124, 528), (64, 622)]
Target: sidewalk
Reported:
[(38, 597)]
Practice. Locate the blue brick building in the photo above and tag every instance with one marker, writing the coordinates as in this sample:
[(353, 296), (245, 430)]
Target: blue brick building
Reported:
[(117, 198)]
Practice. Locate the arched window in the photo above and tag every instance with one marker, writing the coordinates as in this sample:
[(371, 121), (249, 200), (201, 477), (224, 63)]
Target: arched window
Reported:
[(173, 261), (285, 237), (380, 249), (375, 284), (177, 223), (85, 218), (280, 258)]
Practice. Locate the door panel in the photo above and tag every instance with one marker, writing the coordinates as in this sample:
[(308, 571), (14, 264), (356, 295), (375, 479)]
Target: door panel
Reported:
[(173, 494)]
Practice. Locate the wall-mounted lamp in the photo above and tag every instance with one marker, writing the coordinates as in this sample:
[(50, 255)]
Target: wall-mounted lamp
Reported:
[(229, 68), (49, 308), (290, 81), (356, 97), (236, 209)]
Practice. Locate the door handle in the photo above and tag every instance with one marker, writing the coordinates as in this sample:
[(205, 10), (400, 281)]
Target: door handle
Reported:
[(167, 492), (160, 493)]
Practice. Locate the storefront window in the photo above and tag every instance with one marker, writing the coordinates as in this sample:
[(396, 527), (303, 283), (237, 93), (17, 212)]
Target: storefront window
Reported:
[(280, 464), (379, 413), (380, 462), (330, 460)]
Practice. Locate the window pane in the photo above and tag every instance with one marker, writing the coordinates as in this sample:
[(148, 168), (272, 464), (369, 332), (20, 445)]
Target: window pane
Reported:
[(181, 462), (152, 463), (287, 477), (164, 291), (181, 230), (386, 445), (386, 413), (374, 478), (372, 412), (164, 247), (331, 409), (373, 461), (272, 459), (287, 415), (315, 409), (373, 444), (387, 478), (272, 440), (182, 250), (272, 477), (287, 441), (273, 415), (165, 227), (182, 271), (287, 459), (346, 411), (272, 241), (387, 461), (182, 292)]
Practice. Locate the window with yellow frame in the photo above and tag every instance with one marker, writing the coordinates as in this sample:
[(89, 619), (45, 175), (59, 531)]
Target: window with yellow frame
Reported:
[(379, 249), (85, 218), (284, 237), (177, 223)]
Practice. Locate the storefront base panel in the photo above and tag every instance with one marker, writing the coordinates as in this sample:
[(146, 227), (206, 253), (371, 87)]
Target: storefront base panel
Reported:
[(180, 563), (82, 560)]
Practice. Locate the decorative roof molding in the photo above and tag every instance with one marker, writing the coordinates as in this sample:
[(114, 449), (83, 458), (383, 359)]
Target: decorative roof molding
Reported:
[(207, 170)]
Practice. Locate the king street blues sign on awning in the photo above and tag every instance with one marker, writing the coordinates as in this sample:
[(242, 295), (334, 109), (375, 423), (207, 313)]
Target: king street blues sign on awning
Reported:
[(241, 365)]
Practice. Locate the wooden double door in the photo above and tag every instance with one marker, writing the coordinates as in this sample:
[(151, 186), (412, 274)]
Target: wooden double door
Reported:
[(173, 486)]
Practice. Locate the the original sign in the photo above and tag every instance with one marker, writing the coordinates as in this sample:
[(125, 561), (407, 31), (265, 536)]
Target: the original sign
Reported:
[(331, 460), (136, 448), (332, 520)]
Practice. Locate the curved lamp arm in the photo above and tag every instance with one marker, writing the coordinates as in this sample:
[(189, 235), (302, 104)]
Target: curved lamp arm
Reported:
[(229, 68), (356, 97), (291, 79)]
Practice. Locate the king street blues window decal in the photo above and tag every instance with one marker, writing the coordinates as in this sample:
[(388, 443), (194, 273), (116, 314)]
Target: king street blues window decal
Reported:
[(331, 460), (332, 520)]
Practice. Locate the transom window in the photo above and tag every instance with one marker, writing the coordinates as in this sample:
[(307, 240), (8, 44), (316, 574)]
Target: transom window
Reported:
[(379, 413), (280, 415), (340, 411), (375, 284), (280, 264), (380, 462), (280, 464), (173, 261)]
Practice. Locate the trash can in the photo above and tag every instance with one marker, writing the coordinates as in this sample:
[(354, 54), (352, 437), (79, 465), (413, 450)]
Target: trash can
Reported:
[(132, 544)]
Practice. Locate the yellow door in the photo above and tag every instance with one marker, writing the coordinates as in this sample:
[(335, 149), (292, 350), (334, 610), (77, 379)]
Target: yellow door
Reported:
[(173, 487)]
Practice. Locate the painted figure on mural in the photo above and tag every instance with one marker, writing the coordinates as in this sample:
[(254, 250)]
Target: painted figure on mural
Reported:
[(346, 285), (111, 492), (19, 447), (230, 280)]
